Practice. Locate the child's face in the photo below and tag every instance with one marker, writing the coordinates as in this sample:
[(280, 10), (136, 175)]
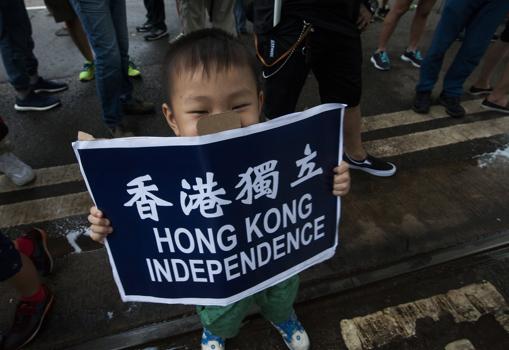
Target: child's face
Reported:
[(197, 95)]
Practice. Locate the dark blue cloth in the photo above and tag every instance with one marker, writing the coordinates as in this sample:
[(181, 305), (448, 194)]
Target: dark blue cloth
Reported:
[(240, 16), (480, 19), (16, 44), (105, 23), (10, 260)]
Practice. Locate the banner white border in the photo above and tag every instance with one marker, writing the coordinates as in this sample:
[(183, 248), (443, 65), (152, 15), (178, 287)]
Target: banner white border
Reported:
[(138, 142)]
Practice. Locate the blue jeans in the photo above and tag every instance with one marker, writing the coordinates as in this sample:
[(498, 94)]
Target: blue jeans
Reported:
[(240, 16), (16, 44), (105, 23), (480, 19)]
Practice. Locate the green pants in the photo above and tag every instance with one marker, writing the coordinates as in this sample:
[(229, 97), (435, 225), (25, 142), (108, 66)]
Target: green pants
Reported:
[(275, 303)]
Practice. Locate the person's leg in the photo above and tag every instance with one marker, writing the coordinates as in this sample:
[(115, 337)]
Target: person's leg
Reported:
[(454, 18), (499, 94), (399, 8), (490, 61), (479, 31), (240, 17), (158, 16), (276, 303), (223, 16), (225, 321), (16, 46), (119, 18), (192, 13), (79, 38), (419, 23)]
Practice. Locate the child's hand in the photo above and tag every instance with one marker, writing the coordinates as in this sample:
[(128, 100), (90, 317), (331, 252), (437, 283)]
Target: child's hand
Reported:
[(341, 184), (100, 227)]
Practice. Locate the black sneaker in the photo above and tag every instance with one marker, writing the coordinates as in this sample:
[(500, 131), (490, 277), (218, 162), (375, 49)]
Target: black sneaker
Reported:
[(137, 106), (413, 57), (475, 91), (145, 27), (43, 85), (156, 34), (41, 256), (371, 165), (28, 320), (452, 105), (381, 60), (493, 106), (422, 102), (34, 102)]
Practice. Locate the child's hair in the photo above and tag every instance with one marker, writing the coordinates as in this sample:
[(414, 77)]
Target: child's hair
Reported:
[(208, 49)]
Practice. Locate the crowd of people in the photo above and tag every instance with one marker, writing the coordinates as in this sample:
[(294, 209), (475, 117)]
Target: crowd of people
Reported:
[(321, 36)]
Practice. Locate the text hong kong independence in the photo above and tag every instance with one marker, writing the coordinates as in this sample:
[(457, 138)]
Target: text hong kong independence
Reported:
[(290, 226)]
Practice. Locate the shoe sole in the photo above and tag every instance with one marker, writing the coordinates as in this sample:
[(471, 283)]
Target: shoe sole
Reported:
[(44, 239), (479, 93), (35, 109), (158, 37), (379, 173), (377, 66), (86, 80), (50, 91), (36, 331), (406, 59), (495, 109)]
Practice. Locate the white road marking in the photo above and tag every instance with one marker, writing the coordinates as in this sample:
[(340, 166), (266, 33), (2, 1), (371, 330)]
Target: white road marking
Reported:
[(46, 209), (45, 177), (32, 8), (391, 324)]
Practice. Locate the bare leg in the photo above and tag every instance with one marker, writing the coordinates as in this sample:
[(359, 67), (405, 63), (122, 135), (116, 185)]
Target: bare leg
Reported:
[(391, 21), (352, 134), (499, 93), (79, 38), (26, 281), (495, 53), (419, 23)]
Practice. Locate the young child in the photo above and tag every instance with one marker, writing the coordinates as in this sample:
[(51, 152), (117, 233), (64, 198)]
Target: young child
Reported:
[(210, 72)]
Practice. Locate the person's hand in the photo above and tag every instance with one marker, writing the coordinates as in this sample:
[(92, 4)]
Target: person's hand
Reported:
[(364, 18), (100, 227), (341, 180)]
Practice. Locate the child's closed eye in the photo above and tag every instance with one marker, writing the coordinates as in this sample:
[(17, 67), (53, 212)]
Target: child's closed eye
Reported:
[(241, 106)]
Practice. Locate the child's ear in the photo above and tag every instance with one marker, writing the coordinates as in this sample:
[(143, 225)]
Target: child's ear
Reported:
[(170, 119), (261, 99)]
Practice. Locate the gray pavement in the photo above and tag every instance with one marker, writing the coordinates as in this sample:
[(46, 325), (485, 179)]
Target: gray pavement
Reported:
[(450, 191)]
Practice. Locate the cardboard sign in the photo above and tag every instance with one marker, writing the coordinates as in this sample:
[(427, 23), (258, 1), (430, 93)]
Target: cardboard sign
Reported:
[(212, 219)]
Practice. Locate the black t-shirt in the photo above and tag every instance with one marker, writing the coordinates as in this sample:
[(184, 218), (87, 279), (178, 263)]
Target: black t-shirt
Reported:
[(335, 15)]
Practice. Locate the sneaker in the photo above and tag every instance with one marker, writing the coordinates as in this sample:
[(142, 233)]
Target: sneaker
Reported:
[(41, 256), (380, 13), (381, 60), (156, 33), (28, 320), (145, 27), (133, 71), (422, 102), (294, 335), (452, 105), (475, 91), (413, 57), (88, 71), (493, 106), (210, 341), (180, 35), (137, 106), (43, 85), (371, 165), (34, 102), (17, 171)]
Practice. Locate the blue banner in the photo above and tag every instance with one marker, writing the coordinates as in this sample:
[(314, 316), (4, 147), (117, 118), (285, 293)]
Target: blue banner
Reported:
[(212, 219)]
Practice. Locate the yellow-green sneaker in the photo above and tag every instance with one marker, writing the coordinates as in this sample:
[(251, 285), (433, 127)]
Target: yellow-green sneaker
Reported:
[(88, 71), (133, 71)]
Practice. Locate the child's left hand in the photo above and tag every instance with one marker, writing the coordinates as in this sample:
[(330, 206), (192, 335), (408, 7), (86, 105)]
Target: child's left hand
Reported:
[(341, 184)]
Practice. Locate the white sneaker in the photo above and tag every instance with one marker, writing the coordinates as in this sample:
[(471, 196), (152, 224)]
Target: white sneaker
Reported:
[(17, 171), (294, 335), (211, 341)]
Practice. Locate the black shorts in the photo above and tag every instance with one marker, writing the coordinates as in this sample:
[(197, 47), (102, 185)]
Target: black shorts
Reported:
[(10, 260), (61, 10), (505, 34), (335, 60)]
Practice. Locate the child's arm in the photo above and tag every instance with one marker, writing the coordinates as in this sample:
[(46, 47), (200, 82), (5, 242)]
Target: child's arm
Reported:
[(100, 227), (341, 184)]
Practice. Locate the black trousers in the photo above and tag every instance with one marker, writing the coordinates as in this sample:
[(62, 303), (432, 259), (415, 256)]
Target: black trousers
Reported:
[(155, 13)]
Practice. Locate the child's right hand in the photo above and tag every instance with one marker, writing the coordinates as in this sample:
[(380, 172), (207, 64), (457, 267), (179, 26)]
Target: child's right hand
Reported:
[(100, 227)]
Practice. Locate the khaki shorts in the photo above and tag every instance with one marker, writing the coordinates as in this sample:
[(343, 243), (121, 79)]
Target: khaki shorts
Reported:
[(61, 10)]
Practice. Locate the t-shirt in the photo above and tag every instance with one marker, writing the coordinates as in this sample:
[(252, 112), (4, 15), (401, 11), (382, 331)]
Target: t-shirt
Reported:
[(335, 15)]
